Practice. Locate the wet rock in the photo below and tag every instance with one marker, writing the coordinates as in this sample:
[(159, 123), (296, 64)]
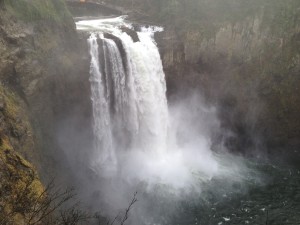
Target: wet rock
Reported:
[(120, 47), (131, 33)]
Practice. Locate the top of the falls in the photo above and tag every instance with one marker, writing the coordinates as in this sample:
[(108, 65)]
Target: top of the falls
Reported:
[(111, 25), (102, 24)]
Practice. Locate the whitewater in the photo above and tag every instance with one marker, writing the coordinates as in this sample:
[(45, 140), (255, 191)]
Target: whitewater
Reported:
[(141, 142)]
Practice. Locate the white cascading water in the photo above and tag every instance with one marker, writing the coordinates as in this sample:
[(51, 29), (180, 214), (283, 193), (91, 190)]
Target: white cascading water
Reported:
[(102, 121), (131, 122), (131, 103)]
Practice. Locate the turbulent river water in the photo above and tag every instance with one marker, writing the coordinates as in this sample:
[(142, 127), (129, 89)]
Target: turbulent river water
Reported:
[(275, 201), (163, 151)]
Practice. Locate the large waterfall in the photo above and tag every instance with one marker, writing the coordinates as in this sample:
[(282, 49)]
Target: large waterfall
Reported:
[(142, 142), (135, 138), (128, 93)]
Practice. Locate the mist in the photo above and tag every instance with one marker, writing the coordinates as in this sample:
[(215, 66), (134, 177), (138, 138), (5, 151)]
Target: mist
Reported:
[(164, 151), (184, 171)]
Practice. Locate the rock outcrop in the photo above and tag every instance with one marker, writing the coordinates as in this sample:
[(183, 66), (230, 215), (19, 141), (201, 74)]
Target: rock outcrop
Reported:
[(44, 84), (246, 68)]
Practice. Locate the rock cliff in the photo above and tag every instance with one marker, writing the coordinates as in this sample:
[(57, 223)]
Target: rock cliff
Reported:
[(44, 86), (250, 68)]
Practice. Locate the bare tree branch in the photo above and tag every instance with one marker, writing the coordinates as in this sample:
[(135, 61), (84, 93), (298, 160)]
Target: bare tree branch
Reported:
[(134, 200)]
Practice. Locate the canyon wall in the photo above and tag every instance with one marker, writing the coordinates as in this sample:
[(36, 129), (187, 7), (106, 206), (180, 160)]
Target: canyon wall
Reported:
[(43, 72), (249, 68)]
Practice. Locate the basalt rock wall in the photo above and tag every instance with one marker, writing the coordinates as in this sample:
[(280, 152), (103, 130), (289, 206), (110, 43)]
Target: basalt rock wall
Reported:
[(248, 71), (44, 71)]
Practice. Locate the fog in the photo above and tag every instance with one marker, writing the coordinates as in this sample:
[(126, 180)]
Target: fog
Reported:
[(184, 171), (141, 143)]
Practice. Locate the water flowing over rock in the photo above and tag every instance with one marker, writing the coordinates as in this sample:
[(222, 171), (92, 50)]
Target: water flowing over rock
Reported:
[(128, 92), (140, 142), (101, 126)]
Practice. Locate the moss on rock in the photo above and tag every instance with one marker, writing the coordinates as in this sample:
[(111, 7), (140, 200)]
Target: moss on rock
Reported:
[(33, 10), (20, 186)]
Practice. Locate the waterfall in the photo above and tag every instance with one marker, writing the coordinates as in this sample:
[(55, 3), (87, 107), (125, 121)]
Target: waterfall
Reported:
[(142, 142), (103, 143), (136, 139), (128, 95)]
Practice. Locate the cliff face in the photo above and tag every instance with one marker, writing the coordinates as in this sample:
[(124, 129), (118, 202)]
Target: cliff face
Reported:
[(250, 68), (44, 100), (44, 82)]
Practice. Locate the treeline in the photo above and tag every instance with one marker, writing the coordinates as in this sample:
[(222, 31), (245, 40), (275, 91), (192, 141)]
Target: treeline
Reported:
[(198, 14), (32, 10)]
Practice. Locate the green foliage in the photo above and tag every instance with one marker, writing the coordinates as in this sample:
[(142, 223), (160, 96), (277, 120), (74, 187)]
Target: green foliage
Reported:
[(207, 16), (35, 10), (281, 16)]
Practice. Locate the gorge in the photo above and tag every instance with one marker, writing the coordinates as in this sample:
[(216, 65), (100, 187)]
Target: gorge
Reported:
[(120, 106)]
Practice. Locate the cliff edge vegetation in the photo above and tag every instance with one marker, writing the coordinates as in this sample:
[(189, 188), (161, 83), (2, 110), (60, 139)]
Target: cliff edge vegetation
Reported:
[(37, 10), (38, 79)]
